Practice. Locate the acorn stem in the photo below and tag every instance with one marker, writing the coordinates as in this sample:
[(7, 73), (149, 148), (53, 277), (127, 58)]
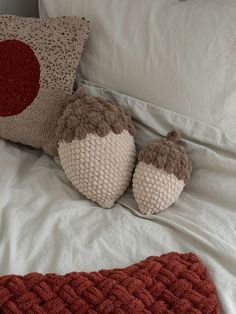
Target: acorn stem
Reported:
[(174, 136)]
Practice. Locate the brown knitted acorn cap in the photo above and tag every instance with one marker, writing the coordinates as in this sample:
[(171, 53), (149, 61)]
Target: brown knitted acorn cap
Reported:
[(87, 114), (169, 155)]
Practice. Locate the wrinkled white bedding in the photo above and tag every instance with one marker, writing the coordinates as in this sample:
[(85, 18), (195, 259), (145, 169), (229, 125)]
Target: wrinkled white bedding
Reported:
[(176, 54), (47, 226)]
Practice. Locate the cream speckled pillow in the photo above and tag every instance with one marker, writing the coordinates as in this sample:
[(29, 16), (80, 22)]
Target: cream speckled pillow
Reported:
[(38, 61)]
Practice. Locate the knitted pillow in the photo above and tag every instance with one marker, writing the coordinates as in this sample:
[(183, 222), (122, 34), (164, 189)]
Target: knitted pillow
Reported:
[(162, 171), (38, 61), (96, 147), (171, 284)]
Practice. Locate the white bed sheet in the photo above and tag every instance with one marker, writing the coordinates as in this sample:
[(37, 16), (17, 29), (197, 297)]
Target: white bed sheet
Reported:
[(47, 226)]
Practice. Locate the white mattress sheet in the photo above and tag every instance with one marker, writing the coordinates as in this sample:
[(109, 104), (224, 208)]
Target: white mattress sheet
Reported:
[(47, 226)]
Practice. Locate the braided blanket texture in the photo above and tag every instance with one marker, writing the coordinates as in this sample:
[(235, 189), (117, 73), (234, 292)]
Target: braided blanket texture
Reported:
[(173, 283)]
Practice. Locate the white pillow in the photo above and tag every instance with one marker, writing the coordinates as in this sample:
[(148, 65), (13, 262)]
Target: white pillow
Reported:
[(180, 55)]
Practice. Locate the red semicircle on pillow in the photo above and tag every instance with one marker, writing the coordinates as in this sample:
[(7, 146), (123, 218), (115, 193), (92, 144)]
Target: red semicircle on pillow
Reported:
[(19, 77)]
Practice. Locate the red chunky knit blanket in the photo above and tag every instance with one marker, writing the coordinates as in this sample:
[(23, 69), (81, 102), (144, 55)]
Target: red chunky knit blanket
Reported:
[(172, 283)]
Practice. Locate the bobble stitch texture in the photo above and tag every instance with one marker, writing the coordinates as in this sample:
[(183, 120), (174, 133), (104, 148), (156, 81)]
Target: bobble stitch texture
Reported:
[(154, 189), (168, 155), (85, 114), (100, 167), (96, 147), (161, 174)]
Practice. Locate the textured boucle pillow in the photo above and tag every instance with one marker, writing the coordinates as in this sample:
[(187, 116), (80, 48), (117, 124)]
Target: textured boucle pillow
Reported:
[(170, 284), (38, 61), (162, 171), (96, 147)]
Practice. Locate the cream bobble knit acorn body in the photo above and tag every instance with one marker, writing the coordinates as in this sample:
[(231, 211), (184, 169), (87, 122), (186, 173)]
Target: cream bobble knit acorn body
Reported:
[(162, 171)]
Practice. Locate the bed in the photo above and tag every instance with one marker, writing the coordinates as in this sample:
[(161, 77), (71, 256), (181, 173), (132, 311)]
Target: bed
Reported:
[(48, 226)]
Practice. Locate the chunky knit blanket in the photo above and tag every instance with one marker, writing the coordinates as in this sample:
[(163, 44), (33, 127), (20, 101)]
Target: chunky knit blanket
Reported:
[(172, 283)]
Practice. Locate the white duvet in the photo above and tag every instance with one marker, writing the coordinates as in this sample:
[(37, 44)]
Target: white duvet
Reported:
[(47, 226)]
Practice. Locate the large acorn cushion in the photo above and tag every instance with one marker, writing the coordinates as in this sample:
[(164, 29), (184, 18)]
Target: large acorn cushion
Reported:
[(38, 61), (170, 284), (96, 147)]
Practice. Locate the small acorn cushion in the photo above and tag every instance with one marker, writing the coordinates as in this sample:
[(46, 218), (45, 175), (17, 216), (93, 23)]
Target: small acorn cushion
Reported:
[(162, 171), (96, 147)]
